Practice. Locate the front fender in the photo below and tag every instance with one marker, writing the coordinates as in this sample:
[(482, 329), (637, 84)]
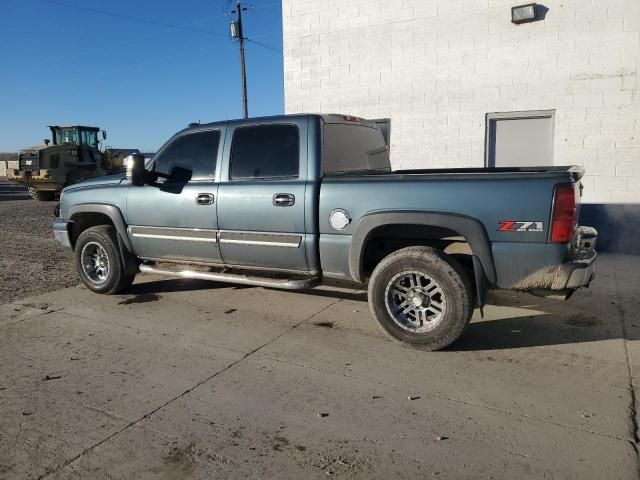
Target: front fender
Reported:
[(110, 211), (471, 229)]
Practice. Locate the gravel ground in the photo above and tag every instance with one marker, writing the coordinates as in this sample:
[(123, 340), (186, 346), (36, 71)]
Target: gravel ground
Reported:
[(30, 261)]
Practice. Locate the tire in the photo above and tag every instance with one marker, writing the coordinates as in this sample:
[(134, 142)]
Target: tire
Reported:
[(99, 262), (437, 284), (42, 195)]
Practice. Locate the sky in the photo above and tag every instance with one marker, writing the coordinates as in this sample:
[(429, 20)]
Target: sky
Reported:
[(141, 69)]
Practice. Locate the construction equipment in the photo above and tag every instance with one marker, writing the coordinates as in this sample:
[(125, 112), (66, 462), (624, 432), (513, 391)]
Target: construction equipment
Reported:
[(74, 154)]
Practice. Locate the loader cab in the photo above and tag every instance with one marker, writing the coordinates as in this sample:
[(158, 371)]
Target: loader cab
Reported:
[(75, 135)]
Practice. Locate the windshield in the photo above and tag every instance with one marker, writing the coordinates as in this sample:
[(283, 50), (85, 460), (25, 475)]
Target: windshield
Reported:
[(76, 137), (89, 137), (66, 135)]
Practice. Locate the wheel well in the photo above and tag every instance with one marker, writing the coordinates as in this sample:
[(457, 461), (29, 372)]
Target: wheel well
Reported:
[(387, 239), (82, 221)]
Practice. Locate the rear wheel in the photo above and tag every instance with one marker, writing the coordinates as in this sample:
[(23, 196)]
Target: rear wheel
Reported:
[(421, 296), (99, 262)]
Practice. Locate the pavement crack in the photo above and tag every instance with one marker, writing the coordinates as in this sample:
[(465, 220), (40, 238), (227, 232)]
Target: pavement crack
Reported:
[(29, 317), (159, 333), (149, 414), (633, 404)]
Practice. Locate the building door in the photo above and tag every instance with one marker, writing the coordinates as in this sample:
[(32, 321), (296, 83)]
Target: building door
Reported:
[(520, 139)]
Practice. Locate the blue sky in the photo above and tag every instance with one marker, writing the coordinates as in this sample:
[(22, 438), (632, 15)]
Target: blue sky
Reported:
[(140, 80)]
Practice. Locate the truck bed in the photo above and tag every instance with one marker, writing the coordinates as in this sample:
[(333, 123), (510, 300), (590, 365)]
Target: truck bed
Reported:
[(575, 172)]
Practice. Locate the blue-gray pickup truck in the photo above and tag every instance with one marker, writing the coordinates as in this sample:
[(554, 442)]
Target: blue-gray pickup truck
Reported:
[(290, 201)]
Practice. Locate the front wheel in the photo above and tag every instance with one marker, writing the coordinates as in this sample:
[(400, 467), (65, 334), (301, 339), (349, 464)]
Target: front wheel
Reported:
[(99, 262), (421, 296)]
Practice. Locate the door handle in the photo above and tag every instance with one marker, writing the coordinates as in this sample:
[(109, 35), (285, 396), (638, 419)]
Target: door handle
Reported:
[(284, 199), (204, 198)]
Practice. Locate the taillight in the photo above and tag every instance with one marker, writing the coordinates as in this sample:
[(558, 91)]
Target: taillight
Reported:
[(564, 213)]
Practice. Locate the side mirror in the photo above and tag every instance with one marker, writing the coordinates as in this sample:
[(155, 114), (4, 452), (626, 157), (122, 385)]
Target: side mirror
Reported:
[(104, 134), (180, 175), (136, 174)]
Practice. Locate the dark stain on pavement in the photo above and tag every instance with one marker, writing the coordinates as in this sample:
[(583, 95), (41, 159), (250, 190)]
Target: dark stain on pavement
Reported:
[(325, 324), (141, 298), (280, 442), (583, 321)]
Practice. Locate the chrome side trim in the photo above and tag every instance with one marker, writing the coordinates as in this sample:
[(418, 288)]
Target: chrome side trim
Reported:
[(174, 237), (261, 244), (173, 233), (261, 239), (230, 237), (287, 284)]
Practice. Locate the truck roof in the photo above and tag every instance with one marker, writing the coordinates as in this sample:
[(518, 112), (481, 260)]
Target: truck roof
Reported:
[(326, 117), (75, 126)]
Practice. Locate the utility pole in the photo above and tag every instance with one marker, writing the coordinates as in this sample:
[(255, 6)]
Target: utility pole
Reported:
[(237, 32)]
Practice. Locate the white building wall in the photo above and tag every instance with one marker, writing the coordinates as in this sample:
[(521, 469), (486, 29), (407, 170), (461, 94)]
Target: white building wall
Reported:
[(437, 67)]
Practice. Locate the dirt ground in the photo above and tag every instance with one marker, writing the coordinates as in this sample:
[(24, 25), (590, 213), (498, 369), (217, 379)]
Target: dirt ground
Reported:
[(30, 261)]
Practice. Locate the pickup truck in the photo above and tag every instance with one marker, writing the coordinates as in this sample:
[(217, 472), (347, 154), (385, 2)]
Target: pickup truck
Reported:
[(290, 201)]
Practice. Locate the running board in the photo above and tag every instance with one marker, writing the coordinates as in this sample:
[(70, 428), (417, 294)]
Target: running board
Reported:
[(284, 283)]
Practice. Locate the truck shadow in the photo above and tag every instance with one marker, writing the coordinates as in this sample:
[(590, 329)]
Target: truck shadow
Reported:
[(186, 285), (547, 323), (542, 330), (512, 320), (175, 285)]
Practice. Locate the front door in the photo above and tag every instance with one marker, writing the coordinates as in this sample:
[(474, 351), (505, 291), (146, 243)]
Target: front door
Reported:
[(261, 203), (175, 219)]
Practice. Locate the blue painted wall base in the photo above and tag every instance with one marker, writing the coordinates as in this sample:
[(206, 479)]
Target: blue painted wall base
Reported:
[(618, 226)]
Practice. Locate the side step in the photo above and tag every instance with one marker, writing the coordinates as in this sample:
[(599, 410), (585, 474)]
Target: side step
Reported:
[(284, 283)]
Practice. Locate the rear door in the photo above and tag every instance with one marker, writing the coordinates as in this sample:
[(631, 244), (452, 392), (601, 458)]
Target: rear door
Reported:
[(261, 198), (176, 218)]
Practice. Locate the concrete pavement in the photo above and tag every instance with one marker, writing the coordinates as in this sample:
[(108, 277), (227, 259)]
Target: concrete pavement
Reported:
[(188, 379)]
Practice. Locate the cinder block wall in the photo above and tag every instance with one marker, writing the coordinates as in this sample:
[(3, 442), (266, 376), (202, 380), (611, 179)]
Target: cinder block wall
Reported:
[(437, 67)]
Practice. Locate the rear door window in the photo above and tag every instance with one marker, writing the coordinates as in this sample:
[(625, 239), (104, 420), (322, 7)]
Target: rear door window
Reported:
[(194, 151), (264, 152)]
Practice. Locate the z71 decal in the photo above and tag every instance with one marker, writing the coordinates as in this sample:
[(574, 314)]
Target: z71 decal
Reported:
[(520, 226)]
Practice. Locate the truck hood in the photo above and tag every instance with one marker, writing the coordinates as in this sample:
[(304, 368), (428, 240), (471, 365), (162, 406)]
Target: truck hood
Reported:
[(96, 182)]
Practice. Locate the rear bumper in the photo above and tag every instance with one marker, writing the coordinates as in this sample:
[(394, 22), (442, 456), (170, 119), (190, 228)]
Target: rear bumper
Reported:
[(546, 268), (580, 268), (61, 233)]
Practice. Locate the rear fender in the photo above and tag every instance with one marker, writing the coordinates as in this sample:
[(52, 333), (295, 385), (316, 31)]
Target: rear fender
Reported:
[(471, 229)]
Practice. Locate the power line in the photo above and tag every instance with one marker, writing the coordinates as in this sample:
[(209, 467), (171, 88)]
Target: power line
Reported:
[(154, 35), (151, 60), (263, 45), (134, 18)]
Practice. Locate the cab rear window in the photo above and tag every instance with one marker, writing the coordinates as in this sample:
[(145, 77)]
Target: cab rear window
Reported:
[(353, 148)]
